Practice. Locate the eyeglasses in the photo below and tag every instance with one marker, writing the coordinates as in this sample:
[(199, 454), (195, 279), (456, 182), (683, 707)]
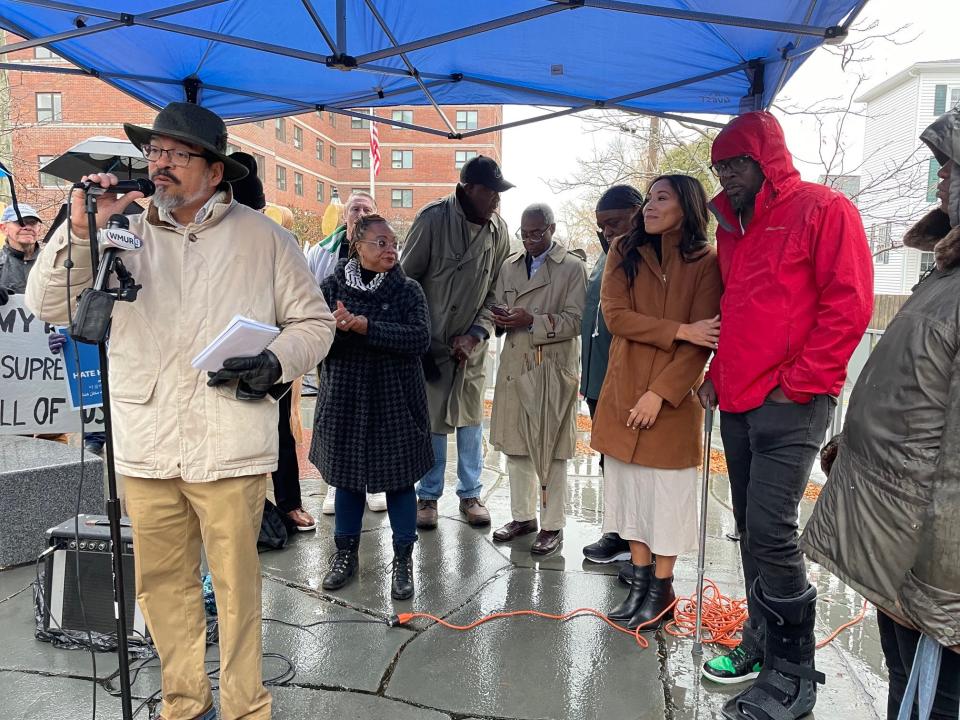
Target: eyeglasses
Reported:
[(178, 158), (531, 235), (28, 222), (731, 166), (383, 244)]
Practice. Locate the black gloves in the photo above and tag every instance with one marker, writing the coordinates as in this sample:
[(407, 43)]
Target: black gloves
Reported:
[(255, 375), (431, 372), (5, 294)]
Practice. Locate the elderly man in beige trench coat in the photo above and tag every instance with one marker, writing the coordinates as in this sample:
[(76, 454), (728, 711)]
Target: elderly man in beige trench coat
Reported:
[(541, 293), (455, 249)]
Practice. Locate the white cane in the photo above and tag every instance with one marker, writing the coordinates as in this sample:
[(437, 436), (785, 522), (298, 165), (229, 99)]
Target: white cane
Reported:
[(701, 551)]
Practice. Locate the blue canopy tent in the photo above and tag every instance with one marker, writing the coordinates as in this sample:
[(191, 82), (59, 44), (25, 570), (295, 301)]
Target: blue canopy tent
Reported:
[(255, 59)]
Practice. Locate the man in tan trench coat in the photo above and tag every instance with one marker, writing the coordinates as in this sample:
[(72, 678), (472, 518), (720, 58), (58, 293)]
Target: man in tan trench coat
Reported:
[(455, 249), (541, 293)]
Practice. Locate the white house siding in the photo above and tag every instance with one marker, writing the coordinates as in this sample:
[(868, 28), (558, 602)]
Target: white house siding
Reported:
[(888, 277), (892, 129)]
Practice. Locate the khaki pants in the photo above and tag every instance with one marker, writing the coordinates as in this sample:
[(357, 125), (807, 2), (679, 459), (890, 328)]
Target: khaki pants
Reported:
[(526, 493), (170, 519)]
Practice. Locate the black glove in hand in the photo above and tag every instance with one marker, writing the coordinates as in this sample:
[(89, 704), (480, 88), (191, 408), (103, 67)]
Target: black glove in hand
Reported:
[(254, 375), (5, 294)]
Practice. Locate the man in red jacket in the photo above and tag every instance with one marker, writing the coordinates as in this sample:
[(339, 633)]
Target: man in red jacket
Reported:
[(798, 294)]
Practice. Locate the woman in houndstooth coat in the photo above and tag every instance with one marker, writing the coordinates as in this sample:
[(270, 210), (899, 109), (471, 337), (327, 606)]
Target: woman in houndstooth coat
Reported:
[(372, 427)]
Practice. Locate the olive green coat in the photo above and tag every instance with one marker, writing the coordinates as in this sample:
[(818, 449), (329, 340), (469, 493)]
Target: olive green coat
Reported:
[(457, 263), (555, 296)]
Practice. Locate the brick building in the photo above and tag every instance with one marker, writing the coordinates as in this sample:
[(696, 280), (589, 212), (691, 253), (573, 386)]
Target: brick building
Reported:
[(301, 158)]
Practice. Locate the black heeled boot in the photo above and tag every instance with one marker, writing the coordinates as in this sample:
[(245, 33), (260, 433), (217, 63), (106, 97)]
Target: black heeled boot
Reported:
[(640, 581), (401, 587), (344, 563), (789, 677), (660, 595)]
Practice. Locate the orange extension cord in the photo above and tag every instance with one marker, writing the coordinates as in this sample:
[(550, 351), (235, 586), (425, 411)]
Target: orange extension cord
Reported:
[(723, 618)]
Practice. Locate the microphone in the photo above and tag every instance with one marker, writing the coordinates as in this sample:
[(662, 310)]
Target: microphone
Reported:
[(114, 239), (92, 319), (117, 236), (124, 186)]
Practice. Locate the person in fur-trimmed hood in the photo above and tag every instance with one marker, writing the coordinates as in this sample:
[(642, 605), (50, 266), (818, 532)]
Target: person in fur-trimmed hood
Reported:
[(886, 521)]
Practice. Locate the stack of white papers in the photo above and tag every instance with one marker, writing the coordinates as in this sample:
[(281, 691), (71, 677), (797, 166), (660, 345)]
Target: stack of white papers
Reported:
[(242, 337)]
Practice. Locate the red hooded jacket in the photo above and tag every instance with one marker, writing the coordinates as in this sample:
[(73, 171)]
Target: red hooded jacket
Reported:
[(798, 282)]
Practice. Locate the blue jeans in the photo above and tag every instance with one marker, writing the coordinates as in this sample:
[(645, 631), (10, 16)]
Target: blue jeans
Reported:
[(401, 507), (469, 464)]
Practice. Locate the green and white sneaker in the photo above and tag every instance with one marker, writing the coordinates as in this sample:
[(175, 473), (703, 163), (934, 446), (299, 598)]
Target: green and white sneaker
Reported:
[(737, 666)]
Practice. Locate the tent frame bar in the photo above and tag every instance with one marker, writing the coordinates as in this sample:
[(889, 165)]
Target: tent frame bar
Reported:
[(116, 20), (788, 62), (308, 6), (713, 18), (467, 31), (403, 56), (341, 60)]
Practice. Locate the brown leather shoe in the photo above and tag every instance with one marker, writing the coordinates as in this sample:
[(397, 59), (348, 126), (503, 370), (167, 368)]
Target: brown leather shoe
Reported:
[(547, 541), (514, 529), (426, 514), (477, 514)]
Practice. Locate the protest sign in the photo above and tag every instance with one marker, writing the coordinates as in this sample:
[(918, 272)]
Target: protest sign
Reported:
[(81, 363), (33, 384)]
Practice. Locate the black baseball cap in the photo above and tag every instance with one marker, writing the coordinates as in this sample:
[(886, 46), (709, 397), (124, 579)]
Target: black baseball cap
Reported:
[(482, 170)]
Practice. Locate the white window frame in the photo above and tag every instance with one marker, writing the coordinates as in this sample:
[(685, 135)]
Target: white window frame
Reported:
[(398, 198), (461, 157)]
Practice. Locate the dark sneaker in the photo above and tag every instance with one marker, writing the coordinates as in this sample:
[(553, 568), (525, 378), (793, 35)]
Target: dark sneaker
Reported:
[(737, 666), (609, 548)]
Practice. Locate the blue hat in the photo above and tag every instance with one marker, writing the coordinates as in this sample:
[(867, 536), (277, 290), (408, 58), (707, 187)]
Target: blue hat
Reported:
[(10, 215)]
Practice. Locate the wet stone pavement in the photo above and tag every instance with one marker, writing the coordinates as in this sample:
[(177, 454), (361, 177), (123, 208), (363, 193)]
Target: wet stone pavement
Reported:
[(516, 668)]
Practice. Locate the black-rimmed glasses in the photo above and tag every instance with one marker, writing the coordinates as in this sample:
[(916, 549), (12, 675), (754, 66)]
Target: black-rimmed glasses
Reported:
[(731, 166), (178, 158)]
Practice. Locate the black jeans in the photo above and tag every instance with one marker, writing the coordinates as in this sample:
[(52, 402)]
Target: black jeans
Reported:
[(286, 478), (770, 452), (401, 507), (899, 645)]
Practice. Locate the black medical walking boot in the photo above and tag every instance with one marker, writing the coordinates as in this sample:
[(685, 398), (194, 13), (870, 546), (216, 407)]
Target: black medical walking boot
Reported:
[(344, 563), (640, 581), (609, 548), (786, 688), (401, 588), (660, 596)]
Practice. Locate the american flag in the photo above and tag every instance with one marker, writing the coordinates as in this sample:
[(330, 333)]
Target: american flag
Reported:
[(374, 149)]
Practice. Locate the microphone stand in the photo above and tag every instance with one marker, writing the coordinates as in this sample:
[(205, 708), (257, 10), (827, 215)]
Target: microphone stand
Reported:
[(110, 260)]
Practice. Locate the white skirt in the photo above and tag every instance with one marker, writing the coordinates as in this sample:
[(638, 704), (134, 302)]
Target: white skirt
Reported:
[(649, 505)]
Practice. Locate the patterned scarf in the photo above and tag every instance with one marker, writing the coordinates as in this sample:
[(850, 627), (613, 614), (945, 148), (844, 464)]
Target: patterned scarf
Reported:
[(355, 280)]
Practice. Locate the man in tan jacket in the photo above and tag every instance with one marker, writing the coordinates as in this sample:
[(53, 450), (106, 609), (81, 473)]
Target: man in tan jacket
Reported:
[(194, 452), (541, 292)]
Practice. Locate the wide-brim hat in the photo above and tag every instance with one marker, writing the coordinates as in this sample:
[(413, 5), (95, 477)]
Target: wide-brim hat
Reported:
[(192, 124)]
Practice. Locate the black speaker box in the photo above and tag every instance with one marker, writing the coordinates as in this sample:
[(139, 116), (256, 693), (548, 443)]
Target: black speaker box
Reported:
[(62, 591)]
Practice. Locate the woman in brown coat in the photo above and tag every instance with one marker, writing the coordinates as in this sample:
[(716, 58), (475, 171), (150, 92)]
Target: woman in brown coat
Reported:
[(660, 298)]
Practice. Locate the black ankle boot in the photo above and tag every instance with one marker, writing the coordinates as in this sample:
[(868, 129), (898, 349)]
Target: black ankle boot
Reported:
[(789, 677), (640, 581), (659, 597), (401, 588), (344, 563)]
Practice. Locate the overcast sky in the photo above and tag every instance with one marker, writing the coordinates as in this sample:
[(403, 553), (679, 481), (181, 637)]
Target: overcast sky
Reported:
[(537, 152)]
